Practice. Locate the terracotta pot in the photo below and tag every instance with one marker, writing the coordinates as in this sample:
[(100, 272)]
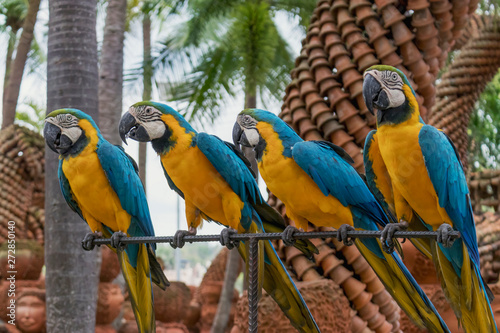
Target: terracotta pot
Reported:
[(401, 34), (391, 16), (344, 17), (417, 4), (353, 81), (340, 138), (336, 51), (172, 305), (336, 95), (410, 54), (307, 87), (363, 13), (343, 63), (318, 109), (358, 324), (109, 302), (328, 124), (356, 4), (327, 84), (384, 48), (300, 114), (110, 266), (29, 259)]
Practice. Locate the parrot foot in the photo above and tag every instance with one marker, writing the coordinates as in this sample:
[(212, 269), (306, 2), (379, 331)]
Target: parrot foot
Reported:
[(178, 240), (387, 236), (116, 240), (342, 234), (225, 238), (88, 240), (443, 235), (287, 235)]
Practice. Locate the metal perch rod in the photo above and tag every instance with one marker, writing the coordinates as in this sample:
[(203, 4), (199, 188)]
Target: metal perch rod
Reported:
[(253, 253), (274, 236)]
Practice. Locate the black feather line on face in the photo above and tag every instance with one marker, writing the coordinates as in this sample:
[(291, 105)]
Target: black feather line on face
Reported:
[(259, 149), (164, 143), (395, 115), (77, 147)]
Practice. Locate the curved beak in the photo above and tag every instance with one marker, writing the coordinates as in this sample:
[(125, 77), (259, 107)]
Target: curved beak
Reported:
[(130, 128), (239, 137), (373, 94), (57, 142)]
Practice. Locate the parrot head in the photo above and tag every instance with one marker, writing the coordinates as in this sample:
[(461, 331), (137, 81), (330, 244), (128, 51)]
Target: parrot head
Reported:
[(247, 132), (63, 131), (387, 91), (151, 121)]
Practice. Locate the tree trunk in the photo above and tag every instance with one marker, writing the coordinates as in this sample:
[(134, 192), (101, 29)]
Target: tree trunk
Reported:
[(16, 74), (111, 71), (8, 61), (147, 90), (72, 274), (224, 307)]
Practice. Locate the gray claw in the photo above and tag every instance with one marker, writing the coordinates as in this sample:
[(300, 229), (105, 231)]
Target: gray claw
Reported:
[(287, 235), (225, 238), (444, 235), (116, 240), (342, 235), (387, 236), (88, 240)]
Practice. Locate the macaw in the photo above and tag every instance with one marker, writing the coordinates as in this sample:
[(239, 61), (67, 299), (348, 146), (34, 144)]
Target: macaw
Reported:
[(317, 183), (217, 185), (99, 181), (414, 169)]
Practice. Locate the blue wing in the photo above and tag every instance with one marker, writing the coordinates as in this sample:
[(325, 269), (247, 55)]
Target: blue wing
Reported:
[(334, 175), (125, 181), (66, 191), (231, 167), (447, 176)]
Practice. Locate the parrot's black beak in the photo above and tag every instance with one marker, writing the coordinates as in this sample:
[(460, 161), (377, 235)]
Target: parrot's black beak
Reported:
[(129, 128), (239, 137), (374, 95), (57, 142)]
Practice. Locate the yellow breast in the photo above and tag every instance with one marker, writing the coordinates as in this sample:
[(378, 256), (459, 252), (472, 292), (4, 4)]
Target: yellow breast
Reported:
[(200, 182), (91, 189), (401, 152), (296, 189)]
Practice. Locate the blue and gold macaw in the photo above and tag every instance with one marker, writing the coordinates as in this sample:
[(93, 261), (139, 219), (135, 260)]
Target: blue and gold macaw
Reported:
[(217, 185), (317, 184), (416, 171), (100, 182)]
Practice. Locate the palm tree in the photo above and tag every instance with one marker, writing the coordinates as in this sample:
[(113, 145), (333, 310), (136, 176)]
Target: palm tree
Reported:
[(238, 48), (111, 70), (15, 75), (14, 12), (72, 274)]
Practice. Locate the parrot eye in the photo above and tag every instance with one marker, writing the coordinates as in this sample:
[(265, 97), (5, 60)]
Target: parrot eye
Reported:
[(247, 118), (149, 111), (394, 76)]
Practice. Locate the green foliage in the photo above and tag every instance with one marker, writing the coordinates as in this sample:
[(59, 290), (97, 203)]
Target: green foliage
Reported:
[(33, 117), (484, 150), (234, 46)]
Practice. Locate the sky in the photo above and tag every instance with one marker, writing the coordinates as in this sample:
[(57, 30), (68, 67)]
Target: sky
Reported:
[(163, 202)]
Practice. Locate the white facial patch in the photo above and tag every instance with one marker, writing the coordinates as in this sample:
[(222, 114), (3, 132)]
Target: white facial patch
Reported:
[(155, 129), (252, 136), (68, 125), (392, 84)]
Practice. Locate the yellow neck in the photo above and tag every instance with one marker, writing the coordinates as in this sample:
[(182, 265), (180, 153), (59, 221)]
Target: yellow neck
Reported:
[(181, 138)]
